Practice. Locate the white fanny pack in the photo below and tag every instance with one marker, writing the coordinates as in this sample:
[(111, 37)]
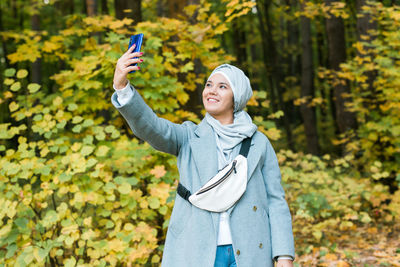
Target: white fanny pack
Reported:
[(223, 190)]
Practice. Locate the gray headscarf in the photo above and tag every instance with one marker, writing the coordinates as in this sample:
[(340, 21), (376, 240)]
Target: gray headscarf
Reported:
[(239, 83), (229, 136)]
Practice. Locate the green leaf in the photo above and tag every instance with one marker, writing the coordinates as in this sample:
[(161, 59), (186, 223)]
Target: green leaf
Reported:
[(102, 151), (72, 107), (33, 87), (100, 136), (11, 250), (42, 253), (59, 252), (109, 128), (61, 124), (50, 218), (87, 150), (71, 262), (15, 87), (64, 177), (154, 202), (163, 210), (124, 188), (77, 128), (87, 123), (88, 140), (77, 119), (91, 162), (9, 72), (21, 223), (69, 241), (38, 117), (109, 224)]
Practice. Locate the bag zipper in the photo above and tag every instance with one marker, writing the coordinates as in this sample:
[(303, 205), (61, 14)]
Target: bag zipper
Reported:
[(226, 175)]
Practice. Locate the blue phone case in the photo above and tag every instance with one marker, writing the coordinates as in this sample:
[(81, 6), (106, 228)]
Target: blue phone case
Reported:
[(136, 39)]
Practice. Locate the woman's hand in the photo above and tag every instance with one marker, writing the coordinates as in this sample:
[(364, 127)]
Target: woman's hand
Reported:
[(284, 263), (123, 67)]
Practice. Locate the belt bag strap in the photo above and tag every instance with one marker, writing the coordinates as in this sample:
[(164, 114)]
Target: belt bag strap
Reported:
[(214, 195)]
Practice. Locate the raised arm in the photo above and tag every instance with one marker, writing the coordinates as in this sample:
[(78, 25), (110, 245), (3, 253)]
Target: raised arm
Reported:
[(162, 134)]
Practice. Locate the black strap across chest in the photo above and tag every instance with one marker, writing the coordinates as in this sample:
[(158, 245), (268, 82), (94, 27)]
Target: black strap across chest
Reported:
[(244, 151)]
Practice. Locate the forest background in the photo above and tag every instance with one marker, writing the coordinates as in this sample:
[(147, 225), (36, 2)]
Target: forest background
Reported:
[(78, 189)]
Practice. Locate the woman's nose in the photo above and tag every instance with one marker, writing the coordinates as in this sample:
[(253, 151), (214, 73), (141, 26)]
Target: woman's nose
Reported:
[(213, 89)]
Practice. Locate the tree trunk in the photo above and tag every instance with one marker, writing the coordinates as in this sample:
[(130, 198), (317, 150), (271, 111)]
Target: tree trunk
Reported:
[(91, 8), (119, 6), (277, 74), (266, 59), (307, 86), (134, 7), (3, 44), (337, 54), (364, 25), (104, 7), (135, 13), (239, 43)]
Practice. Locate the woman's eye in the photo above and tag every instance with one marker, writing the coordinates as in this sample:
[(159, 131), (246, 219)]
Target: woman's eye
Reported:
[(223, 87)]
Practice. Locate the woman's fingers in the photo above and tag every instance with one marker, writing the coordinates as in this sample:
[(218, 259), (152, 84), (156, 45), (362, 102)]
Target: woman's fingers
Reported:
[(136, 54), (131, 68), (133, 61), (130, 49)]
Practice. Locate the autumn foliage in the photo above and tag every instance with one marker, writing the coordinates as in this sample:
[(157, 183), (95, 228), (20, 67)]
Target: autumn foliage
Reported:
[(78, 189)]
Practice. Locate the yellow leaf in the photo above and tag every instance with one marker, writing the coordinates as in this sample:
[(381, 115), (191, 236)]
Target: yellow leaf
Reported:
[(342, 264), (50, 46), (22, 74), (15, 87), (331, 256), (13, 106), (57, 101), (117, 245), (158, 171), (102, 151), (8, 81), (161, 191)]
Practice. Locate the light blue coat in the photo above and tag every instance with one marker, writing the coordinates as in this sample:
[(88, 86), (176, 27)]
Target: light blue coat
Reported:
[(260, 222)]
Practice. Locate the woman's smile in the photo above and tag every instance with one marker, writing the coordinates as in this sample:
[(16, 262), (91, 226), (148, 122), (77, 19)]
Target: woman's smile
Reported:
[(212, 99)]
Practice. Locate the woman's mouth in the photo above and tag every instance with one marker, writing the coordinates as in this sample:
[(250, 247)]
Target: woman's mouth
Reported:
[(213, 100)]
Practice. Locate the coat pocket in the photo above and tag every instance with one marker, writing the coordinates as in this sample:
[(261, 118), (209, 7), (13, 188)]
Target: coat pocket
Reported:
[(181, 214)]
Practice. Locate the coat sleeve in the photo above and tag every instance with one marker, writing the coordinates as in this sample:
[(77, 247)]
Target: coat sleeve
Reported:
[(161, 134), (278, 209)]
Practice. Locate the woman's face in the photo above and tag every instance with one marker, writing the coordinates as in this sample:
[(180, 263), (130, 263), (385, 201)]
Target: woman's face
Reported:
[(218, 98)]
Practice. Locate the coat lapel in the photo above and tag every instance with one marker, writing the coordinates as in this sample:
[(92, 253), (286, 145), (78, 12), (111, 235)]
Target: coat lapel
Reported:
[(204, 151)]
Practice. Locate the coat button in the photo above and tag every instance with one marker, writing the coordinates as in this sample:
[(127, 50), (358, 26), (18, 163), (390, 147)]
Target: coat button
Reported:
[(261, 245), (238, 252), (255, 208)]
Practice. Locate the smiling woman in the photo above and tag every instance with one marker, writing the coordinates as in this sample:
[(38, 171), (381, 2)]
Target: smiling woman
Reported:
[(257, 229)]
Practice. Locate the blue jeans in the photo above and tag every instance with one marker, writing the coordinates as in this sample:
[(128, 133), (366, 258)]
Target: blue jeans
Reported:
[(225, 257)]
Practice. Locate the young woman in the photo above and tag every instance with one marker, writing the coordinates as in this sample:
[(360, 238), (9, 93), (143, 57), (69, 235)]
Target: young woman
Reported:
[(257, 229)]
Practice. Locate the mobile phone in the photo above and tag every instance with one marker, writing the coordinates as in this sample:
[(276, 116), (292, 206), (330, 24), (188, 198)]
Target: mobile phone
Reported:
[(136, 39)]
